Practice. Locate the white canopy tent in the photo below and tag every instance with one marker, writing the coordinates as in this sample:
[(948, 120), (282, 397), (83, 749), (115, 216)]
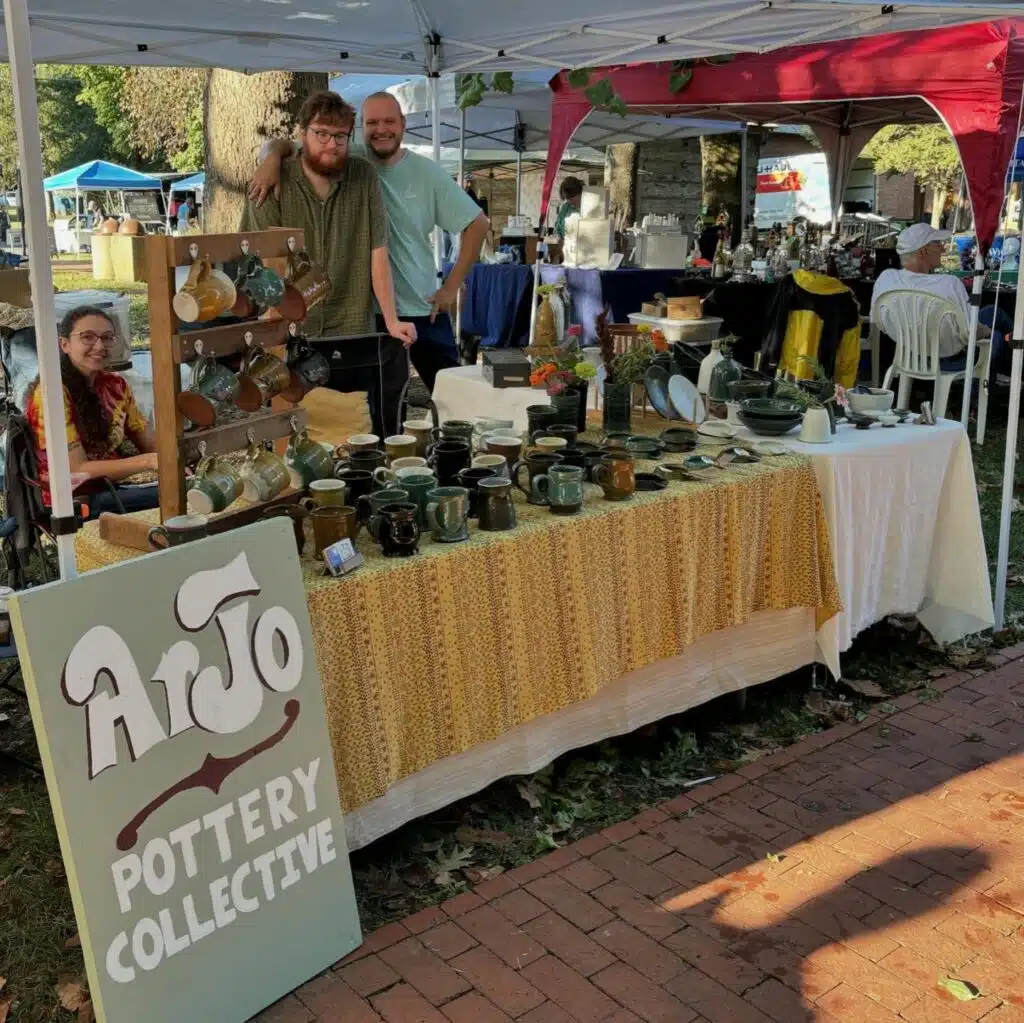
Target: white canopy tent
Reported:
[(405, 37)]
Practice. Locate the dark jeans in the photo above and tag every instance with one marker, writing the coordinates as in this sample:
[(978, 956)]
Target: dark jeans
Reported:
[(377, 365), (435, 347), (1001, 324), (132, 499)]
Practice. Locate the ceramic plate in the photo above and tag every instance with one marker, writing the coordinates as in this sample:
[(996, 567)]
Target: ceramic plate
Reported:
[(656, 380), (717, 430), (685, 398), (769, 448), (698, 462)]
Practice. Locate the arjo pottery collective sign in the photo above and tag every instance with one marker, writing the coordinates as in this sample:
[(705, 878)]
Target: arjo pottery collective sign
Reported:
[(180, 719)]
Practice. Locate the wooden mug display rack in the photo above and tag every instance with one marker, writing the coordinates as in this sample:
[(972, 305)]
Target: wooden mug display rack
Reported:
[(172, 346)]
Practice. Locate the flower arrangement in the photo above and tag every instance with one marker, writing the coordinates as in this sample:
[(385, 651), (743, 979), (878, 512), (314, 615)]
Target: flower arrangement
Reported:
[(629, 367), (818, 392), (562, 370)]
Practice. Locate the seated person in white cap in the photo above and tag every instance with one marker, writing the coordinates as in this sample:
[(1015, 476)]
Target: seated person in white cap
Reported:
[(921, 248)]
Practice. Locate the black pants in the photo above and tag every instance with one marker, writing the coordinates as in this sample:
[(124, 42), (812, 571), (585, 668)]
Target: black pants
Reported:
[(377, 365), (435, 347)]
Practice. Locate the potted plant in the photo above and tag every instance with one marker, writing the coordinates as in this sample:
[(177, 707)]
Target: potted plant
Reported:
[(819, 396), (623, 370)]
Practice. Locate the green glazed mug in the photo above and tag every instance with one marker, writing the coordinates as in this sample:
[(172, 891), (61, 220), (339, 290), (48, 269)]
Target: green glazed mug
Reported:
[(561, 487), (309, 460), (215, 485), (448, 514)]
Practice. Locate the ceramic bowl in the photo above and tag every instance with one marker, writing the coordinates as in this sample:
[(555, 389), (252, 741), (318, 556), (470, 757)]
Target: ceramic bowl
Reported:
[(741, 390), (770, 407), (875, 400), (770, 427), (650, 481)]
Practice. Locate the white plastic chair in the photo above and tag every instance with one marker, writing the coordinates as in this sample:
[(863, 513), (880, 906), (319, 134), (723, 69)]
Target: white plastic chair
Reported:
[(915, 320)]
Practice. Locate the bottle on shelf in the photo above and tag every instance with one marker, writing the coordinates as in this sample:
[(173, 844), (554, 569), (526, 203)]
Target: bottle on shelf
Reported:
[(720, 264)]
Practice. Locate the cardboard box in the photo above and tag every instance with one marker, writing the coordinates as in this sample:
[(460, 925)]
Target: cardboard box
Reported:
[(506, 367), (654, 308)]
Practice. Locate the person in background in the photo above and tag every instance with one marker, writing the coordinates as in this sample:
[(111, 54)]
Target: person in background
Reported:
[(921, 248), (419, 196), (571, 193), (5, 224), (107, 436), (186, 213), (95, 215), (336, 200)]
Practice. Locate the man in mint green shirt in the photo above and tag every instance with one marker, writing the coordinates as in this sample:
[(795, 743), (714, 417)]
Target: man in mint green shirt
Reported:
[(418, 196)]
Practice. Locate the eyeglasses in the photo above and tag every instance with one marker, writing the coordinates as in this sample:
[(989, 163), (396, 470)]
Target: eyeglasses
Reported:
[(340, 139), (91, 339)]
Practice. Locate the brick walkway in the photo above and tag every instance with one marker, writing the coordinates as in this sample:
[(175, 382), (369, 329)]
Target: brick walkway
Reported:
[(837, 880)]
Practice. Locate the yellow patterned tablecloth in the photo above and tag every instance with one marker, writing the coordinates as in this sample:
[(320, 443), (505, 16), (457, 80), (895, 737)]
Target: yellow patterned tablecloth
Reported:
[(426, 657)]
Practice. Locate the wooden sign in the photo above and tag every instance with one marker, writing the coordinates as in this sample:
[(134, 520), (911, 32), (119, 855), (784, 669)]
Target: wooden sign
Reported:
[(180, 719)]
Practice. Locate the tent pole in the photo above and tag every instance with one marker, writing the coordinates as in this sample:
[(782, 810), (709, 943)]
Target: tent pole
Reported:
[(30, 157), (78, 205), (435, 131), (1010, 458), (462, 182), (972, 336), (744, 200), (519, 182)]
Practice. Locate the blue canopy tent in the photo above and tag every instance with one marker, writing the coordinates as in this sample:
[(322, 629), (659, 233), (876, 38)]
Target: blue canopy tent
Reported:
[(194, 183)]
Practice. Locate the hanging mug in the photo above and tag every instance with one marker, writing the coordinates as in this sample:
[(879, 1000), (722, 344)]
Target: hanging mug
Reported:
[(212, 389), (265, 475), (306, 286), (269, 373), (216, 485), (308, 368), (308, 460), (201, 298), (264, 287)]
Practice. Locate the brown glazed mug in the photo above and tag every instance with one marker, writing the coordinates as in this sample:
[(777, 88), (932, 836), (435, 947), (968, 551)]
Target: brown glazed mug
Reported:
[(331, 524), (306, 286), (616, 476), (270, 374), (511, 448)]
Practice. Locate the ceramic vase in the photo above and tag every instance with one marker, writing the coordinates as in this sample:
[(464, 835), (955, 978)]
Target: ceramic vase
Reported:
[(618, 408), (817, 426), (568, 406), (581, 411)]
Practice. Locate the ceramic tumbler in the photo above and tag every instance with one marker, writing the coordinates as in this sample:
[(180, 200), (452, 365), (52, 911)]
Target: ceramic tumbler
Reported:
[(331, 524), (497, 512), (448, 514)]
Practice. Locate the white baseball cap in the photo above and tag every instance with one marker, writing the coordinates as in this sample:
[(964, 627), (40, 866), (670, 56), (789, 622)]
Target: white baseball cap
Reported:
[(917, 236)]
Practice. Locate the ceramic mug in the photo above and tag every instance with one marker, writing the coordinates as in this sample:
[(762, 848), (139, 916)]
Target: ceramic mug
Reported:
[(358, 442), (561, 488), (298, 516), (536, 465), (308, 460), (448, 457), (369, 505), (202, 297), (265, 475), (215, 485), (387, 475), (360, 460), (305, 287), (482, 426), (470, 479), (616, 477), (497, 512), (326, 494), (309, 369), (509, 445), (176, 531), (454, 429), (421, 430), (539, 417), (212, 389), (269, 373), (568, 433), (331, 524), (448, 514), (497, 463), (574, 456), (418, 485), (400, 445), (358, 483), (396, 530), (549, 445), (264, 287)]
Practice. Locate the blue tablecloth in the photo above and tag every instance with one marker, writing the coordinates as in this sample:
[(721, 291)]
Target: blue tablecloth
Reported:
[(497, 304), (623, 290)]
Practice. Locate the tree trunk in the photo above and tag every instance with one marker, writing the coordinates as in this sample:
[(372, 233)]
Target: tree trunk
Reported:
[(240, 113), (620, 166), (938, 205), (720, 175)]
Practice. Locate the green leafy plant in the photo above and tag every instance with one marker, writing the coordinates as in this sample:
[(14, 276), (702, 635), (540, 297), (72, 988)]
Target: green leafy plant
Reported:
[(470, 89)]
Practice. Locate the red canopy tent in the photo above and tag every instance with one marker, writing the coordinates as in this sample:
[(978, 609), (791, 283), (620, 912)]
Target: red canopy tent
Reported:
[(969, 76)]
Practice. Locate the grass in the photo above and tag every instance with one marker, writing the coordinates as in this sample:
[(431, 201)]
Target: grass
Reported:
[(517, 819)]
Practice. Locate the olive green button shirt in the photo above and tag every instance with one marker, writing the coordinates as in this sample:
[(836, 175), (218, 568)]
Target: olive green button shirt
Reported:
[(341, 232)]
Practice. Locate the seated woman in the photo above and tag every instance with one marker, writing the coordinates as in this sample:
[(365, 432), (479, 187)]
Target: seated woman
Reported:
[(107, 435)]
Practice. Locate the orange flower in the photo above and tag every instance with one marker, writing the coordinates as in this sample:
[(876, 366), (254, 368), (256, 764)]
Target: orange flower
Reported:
[(659, 342)]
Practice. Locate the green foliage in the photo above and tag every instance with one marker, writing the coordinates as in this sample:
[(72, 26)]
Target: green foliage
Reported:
[(924, 150), (579, 78), (102, 88), (501, 81), (470, 89), (193, 156), (165, 106)]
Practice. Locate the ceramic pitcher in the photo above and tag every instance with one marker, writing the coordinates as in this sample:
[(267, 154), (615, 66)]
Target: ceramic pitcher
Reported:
[(497, 512)]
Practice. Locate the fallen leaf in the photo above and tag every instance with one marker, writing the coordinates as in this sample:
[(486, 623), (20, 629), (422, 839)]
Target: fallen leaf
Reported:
[(840, 708), (864, 686), (529, 796), (815, 703), (443, 867), (477, 875), (937, 672), (5, 1008), (73, 992), (888, 708), (775, 857), (963, 990), (75, 942), (974, 737), (16, 811), (546, 841), (483, 836)]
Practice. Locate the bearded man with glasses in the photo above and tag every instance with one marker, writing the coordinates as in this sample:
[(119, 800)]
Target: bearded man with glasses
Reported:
[(336, 200)]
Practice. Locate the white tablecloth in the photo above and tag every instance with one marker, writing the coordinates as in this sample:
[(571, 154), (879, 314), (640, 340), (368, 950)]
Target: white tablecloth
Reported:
[(463, 393), (902, 509)]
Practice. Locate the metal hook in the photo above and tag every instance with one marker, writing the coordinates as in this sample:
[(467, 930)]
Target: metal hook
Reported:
[(244, 245), (198, 346), (293, 422), (293, 329), (193, 250), (248, 338), (202, 449), (292, 244), (250, 435)]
